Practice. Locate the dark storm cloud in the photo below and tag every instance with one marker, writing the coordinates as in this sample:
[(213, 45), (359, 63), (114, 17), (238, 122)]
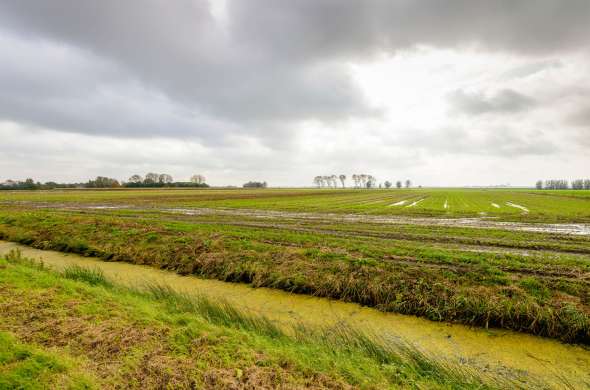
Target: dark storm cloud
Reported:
[(179, 48), (504, 101), (276, 63), (268, 90)]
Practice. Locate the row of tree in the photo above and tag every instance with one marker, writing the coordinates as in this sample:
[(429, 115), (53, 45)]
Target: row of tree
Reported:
[(255, 184), (152, 179), (360, 181), (135, 181), (580, 184), (30, 184)]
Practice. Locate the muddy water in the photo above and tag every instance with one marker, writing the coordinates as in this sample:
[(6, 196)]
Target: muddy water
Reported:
[(496, 350)]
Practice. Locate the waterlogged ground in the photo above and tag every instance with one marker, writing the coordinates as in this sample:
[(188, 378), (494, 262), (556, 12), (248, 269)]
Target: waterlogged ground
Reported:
[(529, 276), (498, 259), (499, 352), (523, 205)]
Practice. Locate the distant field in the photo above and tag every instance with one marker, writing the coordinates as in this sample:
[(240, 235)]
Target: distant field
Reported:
[(509, 205), (380, 248)]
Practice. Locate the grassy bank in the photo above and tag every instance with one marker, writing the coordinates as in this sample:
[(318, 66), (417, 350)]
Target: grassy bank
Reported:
[(544, 292), (76, 329)]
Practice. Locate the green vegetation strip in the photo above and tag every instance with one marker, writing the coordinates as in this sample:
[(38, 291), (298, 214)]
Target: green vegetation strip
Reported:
[(76, 329), (544, 294)]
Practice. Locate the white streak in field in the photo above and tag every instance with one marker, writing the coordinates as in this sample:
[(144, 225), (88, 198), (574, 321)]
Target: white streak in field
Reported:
[(446, 206), (496, 205), (517, 206), (400, 203), (415, 203)]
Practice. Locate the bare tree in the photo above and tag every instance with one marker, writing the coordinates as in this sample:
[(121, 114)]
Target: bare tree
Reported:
[(398, 184), (135, 179), (363, 178), (539, 185), (317, 181), (198, 179), (587, 184), (342, 179), (578, 184), (408, 183), (355, 178), (151, 178), (556, 185), (165, 178), (388, 184)]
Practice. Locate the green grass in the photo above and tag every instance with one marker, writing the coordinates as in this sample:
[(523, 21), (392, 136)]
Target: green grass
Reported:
[(93, 276), (157, 337), (24, 366), (530, 282), (543, 206)]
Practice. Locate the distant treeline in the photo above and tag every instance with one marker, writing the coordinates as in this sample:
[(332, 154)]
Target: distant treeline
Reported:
[(360, 181), (255, 184), (151, 180), (30, 184), (580, 184)]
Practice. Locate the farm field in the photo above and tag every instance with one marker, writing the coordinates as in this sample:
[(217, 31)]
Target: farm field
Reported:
[(446, 255), (505, 205)]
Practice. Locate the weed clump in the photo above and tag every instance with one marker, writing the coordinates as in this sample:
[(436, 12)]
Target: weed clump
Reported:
[(93, 276)]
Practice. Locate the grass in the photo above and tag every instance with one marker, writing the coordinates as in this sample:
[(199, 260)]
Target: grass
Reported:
[(543, 206), (80, 334), (24, 366), (530, 282), (93, 276)]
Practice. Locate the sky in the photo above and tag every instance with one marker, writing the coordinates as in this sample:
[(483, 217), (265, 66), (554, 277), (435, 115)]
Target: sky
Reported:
[(442, 92)]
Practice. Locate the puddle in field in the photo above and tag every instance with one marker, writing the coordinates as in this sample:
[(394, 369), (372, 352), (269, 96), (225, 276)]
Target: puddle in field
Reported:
[(416, 203), (487, 222), (481, 223), (495, 350), (517, 206)]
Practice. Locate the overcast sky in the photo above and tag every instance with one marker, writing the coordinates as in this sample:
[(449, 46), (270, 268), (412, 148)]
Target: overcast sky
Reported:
[(456, 92)]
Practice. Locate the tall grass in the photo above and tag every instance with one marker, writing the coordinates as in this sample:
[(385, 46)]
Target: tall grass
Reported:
[(15, 256), (93, 276), (221, 313), (341, 339)]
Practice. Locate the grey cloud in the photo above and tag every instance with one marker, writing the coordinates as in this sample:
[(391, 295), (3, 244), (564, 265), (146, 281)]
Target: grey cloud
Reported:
[(531, 69), (489, 141), (281, 61), (477, 103), (580, 118), (178, 48), (310, 28), (157, 69)]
